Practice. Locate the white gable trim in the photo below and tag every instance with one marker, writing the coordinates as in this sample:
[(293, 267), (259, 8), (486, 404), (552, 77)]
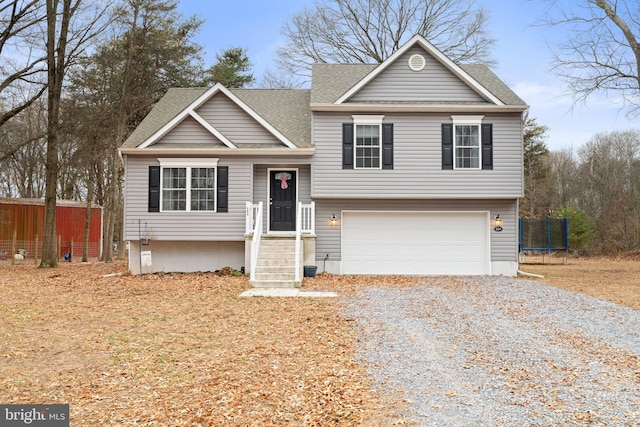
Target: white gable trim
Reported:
[(178, 119), (211, 129), (257, 117), (439, 56), (190, 111)]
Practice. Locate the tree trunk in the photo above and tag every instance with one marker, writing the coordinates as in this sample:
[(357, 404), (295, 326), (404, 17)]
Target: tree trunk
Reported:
[(87, 217), (56, 51), (120, 219)]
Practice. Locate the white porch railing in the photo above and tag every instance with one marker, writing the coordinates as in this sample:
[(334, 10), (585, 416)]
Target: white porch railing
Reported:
[(252, 215), (305, 224), (254, 223), (298, 234), (307, 218), (305, 214)]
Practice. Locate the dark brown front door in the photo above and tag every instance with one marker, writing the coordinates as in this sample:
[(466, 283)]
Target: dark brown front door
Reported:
[(282, 200)]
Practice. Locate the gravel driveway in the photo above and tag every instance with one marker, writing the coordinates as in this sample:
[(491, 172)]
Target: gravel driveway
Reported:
[(496, 351)]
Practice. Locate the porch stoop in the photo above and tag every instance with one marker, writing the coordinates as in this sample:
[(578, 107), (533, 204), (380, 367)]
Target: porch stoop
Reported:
[(275, 267)]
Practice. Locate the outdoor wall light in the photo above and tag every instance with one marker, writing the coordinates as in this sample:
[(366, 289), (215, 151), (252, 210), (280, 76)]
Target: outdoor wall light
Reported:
[(333, 220), (497, 223)]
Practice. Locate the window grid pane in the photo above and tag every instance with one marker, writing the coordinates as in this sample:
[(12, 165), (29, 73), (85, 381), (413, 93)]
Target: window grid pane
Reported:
[(174, 184), (203, 189), (367, 146), (467, 143)]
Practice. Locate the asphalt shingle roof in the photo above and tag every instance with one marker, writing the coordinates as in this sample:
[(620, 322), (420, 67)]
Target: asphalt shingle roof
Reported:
[(330, 81), (483, 75), (287, 110), (169, 106)]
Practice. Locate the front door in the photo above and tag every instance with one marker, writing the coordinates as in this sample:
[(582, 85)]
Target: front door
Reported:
[(282, 201)]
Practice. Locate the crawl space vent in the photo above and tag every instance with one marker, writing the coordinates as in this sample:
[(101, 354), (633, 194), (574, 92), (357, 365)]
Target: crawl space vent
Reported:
[(417, 62)]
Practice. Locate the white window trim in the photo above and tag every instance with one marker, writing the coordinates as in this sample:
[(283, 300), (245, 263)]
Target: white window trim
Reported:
[(363, 120), (188, 163), (467, 121)]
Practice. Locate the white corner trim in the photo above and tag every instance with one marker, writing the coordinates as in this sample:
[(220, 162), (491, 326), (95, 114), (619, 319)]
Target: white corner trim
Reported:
[(212, 129), (188, 162), (439, 56)]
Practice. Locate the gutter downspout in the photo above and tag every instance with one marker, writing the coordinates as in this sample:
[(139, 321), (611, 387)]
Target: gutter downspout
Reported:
[(522, 273)]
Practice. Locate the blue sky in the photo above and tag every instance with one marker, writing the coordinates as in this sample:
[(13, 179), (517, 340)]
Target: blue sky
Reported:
[(521, 51)]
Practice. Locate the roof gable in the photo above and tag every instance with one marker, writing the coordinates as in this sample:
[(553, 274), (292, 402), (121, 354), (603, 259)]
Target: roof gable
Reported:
[(189, 132), (173, 111), (433, 83), (435, 57)]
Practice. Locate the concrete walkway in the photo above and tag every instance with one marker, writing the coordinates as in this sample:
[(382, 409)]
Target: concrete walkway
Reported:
[(287, 292)]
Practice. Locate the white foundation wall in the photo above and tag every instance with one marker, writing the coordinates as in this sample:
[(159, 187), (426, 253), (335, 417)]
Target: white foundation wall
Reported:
[(504, 268), (185, 257)]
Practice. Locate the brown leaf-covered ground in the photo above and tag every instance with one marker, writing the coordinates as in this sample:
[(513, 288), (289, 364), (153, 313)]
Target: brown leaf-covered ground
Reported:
[(184, 349), (175, 349), (613, 279)]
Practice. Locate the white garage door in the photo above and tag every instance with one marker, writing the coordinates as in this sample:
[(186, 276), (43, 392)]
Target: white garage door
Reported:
[(415, 243)]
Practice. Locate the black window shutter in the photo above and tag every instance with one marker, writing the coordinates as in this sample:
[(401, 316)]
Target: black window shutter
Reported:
[(347, 146), (487, 146), (154, 188), (387, 146), (223, 189), (447, 146)]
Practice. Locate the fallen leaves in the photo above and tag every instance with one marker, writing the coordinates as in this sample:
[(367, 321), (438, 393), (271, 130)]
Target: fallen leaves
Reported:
[(615, 280), (176, 349), (183, 349)]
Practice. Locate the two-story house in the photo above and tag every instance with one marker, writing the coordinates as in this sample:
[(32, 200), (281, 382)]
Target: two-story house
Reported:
[(413, 166)]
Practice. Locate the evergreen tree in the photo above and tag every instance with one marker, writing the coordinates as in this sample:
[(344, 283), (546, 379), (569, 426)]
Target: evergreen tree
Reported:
[(232, 68)]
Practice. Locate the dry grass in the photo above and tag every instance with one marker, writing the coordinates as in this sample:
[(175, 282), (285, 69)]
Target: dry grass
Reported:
[(613, 279), (176, 350), (183, 349)]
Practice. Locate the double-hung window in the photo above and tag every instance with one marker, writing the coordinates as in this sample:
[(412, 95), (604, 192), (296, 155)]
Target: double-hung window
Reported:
[(368, 142), (188, 184), (467, 142)]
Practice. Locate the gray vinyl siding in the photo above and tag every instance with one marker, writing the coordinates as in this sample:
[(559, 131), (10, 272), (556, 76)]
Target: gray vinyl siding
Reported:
[(417, 164), (198, 226), (189, 131), (504, 244), (434, 83), (234, 123)]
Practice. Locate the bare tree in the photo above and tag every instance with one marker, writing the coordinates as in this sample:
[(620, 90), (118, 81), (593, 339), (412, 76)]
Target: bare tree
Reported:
[(149, 50), (22, 142), (22, 62), (69, 29), (369, 31), (602, 53), (565, 178), (610, 182), (280, 80)]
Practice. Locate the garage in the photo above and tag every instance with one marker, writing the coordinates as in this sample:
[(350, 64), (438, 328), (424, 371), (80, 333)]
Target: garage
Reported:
[(420, 243)]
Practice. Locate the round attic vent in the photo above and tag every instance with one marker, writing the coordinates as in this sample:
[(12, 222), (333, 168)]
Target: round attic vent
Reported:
[(417, 62)]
